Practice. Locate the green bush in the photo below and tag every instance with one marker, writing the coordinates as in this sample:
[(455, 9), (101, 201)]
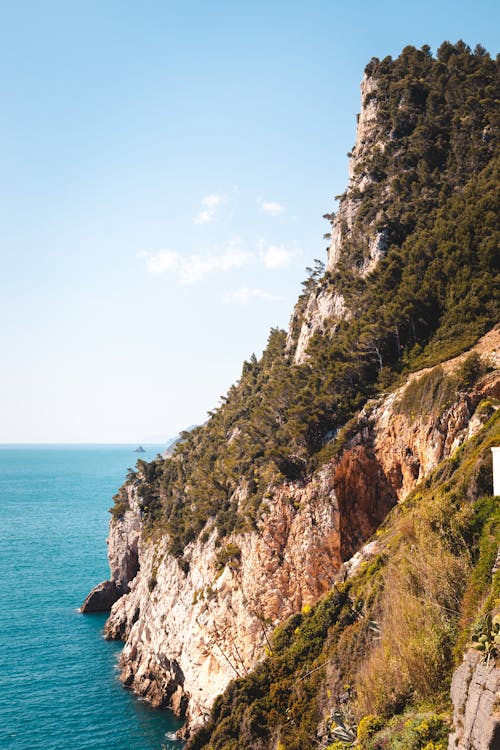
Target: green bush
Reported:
[(368, 726), (229, 555)]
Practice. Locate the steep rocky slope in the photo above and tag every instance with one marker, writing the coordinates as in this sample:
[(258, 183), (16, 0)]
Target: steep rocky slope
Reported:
[(474, 692), (187, 635), (326, 307), (370, 664), (389, 369), (123, 557)]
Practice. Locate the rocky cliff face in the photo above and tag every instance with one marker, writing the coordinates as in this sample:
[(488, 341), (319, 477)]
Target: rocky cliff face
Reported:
[(409, 443), (325, 308), (123, 556), (188, 634), (368, 137), (475, 693)]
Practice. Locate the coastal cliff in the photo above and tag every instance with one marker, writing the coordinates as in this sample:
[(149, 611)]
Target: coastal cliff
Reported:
[(123, 556), (187, 635), (257, 573)]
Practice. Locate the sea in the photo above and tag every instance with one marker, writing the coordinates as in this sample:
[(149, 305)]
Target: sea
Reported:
[(59, 686)]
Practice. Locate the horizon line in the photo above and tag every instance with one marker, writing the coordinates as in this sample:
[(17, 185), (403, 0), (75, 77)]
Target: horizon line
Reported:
[(80, 442)]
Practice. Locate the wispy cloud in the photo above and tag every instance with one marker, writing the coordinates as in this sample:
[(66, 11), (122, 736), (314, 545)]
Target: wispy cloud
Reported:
[(162, 261), (189, 269), (272, 208), (209, 206), (276, 256), (195, 267), (244, 295)]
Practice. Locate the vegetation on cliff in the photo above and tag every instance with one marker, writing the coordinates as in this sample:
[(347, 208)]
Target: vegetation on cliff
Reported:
[(432, 189), (372, 661)]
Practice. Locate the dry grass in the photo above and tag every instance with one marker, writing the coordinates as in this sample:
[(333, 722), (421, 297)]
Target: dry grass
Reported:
[(418, 610)]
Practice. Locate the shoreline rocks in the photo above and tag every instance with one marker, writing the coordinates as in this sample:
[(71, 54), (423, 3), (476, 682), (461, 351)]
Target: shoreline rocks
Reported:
[(101, 598)]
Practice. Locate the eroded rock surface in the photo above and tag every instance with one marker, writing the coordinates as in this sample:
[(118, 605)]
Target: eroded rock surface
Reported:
[(123, 557), (101, 598), (325, 308), (213, 622), (475, 693)]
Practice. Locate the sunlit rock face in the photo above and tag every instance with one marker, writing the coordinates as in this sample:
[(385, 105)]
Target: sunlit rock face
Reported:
[(324, 307), (123, 557)]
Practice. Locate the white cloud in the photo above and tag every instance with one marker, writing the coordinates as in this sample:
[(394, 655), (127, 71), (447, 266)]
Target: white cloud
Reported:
[(204, 217), (192, 268), (277, 256), (210, 204), (271, 207), (244, 295), (195, 267), (162, 261), (213, 200), (189, 269)]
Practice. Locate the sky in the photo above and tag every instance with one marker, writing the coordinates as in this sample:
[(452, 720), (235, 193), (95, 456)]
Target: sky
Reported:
[(165, 167)]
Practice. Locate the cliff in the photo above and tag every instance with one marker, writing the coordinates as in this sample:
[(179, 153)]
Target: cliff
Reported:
[(187, 635), (259, 570), (123, 556), (367, 662), (326, 307)]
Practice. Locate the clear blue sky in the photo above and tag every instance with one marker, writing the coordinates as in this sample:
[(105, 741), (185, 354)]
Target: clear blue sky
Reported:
[(165, 168)]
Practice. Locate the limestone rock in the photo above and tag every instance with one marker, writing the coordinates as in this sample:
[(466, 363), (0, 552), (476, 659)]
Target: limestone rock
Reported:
[(101, 598), (123, 557), (409, 446), (213, 625), (367, 136), (321, 307), (325, 308), (475, 694)]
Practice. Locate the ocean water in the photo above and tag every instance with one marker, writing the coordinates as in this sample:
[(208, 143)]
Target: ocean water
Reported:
[(59, 687)]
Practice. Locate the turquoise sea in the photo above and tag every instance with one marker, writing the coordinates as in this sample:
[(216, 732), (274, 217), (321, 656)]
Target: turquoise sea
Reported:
[(59, 687)]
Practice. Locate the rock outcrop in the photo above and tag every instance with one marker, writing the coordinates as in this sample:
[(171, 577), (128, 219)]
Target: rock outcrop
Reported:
[(197, 631), (409, 444), (325, 308), (475, 693), (368, 135), (101, 598), (123, 556)]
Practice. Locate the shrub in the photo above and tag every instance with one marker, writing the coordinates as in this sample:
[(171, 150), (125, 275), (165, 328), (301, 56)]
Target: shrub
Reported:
[(120, 506), (470, 370), (229, 555), (432, 392), (368, 726), (411, 732)]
